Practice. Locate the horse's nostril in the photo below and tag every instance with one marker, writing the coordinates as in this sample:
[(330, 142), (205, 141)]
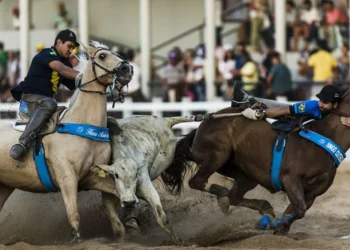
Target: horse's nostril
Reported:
[(125, 68)]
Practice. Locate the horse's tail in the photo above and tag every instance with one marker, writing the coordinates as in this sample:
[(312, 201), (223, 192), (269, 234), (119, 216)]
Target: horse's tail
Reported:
[(173, 176)]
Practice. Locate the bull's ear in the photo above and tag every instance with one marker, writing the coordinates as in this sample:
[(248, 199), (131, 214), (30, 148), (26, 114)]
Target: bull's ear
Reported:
[(113, 126), (100, 170)]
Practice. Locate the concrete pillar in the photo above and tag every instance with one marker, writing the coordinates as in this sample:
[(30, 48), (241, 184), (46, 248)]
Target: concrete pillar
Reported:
[(210, 49), (24, 36), (280, 22), (83, 21), (145, 37)]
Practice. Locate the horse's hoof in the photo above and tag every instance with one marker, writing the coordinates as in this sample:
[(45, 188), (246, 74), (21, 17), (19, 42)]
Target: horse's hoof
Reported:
[(75, 237), (281, 230), (224, 203), (264, 222)]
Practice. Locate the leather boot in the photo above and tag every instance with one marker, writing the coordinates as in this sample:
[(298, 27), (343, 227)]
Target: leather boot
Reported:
[(239, 96), (35, 124)]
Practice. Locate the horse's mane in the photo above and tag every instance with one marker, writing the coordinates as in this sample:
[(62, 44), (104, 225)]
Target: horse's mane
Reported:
[(83, 58)]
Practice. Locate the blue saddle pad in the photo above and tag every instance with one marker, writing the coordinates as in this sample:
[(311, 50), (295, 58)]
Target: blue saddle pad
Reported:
[(41, 167)]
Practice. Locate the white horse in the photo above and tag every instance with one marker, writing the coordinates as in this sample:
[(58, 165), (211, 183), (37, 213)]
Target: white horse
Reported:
[(142, 147), (69, 157)]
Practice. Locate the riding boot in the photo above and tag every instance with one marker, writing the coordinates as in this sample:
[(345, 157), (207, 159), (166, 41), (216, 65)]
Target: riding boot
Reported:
[(35, 124), (239, 97)]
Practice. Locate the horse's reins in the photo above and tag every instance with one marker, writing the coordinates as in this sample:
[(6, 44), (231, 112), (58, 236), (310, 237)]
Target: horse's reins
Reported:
[(121, 96)]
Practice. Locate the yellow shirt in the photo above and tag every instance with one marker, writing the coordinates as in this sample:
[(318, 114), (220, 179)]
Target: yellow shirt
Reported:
[(250, 68), (323, 63)]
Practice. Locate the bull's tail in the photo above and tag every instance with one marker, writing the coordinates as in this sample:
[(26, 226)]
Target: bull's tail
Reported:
[(174, 175), (180, 119)]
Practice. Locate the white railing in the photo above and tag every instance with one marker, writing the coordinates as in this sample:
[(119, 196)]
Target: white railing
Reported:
[(156, 107)]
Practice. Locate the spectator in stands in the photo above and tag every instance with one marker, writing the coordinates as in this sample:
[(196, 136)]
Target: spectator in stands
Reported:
[(323, 63), (226, 68), (307, 26), (39, 47), (173, 76), (3, 62), (256, 15), (344, 63), (291, 18), (15, 18), (135, 84), (12, 77), (198, 88), (62, 20), (279, 80), (240, 50), (266, 65), (178, 53), (189, 75), (250, 75), (334, 18)]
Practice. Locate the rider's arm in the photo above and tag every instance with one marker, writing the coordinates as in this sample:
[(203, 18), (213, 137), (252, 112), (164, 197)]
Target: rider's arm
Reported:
[(276, 112), (69, 83), (309, 108), (63, 70)]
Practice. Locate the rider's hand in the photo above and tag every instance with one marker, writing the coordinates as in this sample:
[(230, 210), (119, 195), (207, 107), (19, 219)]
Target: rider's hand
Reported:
[(254, 114), (250, 114)]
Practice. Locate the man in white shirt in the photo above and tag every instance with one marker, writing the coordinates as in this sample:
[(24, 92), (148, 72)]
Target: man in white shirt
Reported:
[(307, 26)]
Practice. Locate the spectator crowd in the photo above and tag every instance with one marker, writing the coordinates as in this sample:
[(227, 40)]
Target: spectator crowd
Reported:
[(314, 32)]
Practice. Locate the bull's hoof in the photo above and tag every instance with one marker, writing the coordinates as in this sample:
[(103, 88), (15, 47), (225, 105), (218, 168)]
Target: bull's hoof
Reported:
[(132, 227), (224, 203)]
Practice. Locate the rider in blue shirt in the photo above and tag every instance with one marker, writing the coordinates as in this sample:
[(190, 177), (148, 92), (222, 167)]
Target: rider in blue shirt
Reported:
[(329, 98), (36, 93)]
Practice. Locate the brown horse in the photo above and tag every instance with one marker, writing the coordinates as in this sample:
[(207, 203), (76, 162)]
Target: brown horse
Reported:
[(243, 149)]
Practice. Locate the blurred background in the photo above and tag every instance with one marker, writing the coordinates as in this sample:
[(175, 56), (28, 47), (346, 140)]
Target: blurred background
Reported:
[(187, 54)]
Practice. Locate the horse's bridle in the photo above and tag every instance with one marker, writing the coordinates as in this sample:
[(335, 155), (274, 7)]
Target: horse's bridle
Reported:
[(337, 111), (113, 72)]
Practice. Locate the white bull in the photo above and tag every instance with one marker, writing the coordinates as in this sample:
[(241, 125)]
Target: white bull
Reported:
[(143, 147)]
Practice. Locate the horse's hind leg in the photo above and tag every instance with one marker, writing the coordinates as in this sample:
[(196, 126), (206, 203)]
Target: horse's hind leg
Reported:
[(209, 163), (241, 186), (5, 192)]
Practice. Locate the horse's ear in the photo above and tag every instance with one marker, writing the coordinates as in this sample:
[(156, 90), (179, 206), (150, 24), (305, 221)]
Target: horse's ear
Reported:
[(113, 126), (90, 50)]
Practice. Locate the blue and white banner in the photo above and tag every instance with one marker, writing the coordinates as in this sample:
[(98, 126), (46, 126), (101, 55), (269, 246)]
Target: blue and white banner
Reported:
[(330, 146), (85, 130)]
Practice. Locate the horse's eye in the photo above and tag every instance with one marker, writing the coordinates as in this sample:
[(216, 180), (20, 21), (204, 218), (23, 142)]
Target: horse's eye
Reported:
[(116, 176), (102, 56)]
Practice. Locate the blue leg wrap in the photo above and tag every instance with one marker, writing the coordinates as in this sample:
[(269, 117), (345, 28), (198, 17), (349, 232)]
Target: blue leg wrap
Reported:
[(264, 222), (286, 218)]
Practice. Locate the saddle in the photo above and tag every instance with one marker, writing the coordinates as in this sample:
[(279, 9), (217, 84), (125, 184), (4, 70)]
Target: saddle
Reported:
[(49, 128)]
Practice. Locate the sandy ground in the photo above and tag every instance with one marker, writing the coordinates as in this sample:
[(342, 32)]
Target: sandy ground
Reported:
[(37, 221)]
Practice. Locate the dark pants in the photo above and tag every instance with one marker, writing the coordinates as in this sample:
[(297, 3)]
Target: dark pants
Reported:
[(40, 109)]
